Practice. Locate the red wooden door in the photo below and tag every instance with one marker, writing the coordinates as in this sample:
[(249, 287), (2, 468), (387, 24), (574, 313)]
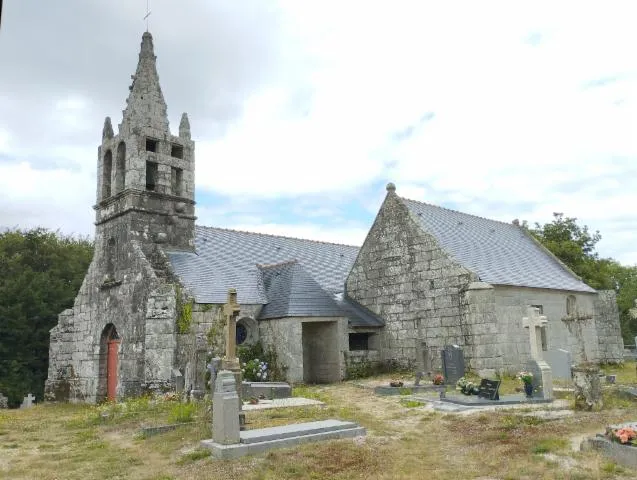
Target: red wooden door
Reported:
[(111, 369)]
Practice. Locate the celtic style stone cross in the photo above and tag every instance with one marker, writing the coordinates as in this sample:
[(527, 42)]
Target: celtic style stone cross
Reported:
[(534, 321), (231, 311)]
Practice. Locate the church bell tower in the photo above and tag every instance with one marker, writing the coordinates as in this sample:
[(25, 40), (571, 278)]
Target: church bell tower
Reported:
[(146, 175)]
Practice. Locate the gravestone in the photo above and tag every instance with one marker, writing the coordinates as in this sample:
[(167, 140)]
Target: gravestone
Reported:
[(225, 410), (423, 362), (452, 363), (4, 401), (542, 376), (560, 362), (179, 381), (28, 401), (489, 389), (213, 367)]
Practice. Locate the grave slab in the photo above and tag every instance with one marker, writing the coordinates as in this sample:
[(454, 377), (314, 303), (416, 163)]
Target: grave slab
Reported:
[(282, 403), (623, 454), (475, 401), (263, 439)]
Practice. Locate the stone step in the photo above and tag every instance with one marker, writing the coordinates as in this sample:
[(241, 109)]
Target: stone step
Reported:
[(294, 430)]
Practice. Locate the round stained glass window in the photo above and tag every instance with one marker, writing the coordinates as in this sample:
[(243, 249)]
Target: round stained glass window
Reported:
[(242, 333)]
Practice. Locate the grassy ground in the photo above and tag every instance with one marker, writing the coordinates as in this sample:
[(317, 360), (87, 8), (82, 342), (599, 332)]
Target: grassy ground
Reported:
[(405, 440)]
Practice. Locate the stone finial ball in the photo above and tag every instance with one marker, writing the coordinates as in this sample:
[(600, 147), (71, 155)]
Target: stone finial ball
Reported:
[(391, 187)]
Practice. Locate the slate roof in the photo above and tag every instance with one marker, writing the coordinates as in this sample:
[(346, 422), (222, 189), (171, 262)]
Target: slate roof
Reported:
[(292, 292), (499, 253), (289, 276), (228, 258)]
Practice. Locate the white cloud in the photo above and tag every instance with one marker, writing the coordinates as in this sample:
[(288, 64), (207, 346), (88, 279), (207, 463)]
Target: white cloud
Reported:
[(490, 103)]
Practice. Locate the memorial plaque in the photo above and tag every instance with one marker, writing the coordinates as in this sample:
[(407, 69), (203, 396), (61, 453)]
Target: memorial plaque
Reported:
[(452, 363), (489, 389)]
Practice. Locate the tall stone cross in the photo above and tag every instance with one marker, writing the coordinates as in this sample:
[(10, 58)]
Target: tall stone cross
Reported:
[(231, 311), (534, 322)]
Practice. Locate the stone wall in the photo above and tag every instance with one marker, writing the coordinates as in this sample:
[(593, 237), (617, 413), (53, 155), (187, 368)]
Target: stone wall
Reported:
[(511, 304), (610, 341), (405, 277), (206, 338), (77, 351)]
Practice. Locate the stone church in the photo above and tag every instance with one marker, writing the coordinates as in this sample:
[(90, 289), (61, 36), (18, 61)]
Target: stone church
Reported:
[(150, 307)]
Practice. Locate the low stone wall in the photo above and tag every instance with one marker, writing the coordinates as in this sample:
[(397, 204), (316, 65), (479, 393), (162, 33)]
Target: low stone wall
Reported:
[(361, 362)]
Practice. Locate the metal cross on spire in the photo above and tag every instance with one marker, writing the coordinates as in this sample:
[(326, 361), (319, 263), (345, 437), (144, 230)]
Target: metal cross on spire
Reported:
[(148, 12)]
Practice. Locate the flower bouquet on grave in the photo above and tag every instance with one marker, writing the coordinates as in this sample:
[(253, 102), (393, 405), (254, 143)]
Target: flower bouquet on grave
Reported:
[(467, 387), (438, 379), (525, 377), (625, 435)]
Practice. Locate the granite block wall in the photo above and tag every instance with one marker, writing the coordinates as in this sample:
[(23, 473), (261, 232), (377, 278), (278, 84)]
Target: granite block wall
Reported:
[(404, 276)]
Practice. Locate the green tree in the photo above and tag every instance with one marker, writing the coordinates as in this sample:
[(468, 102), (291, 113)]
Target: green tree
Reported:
[(575, 246), (40, 274)]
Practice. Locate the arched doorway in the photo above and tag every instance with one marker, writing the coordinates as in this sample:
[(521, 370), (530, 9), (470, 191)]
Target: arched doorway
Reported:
[(109, 362)]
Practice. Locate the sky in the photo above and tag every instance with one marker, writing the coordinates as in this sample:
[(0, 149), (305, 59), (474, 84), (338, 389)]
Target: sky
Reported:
[(302, 112)]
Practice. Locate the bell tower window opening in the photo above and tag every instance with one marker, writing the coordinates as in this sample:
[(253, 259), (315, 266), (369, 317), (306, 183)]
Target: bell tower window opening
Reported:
[(120, 168), (107, 170), (151, 176), (177, 178), (176, 151), (151, 145)]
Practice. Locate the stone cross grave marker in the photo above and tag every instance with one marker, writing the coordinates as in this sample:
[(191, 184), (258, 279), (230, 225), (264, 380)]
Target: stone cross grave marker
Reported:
[(231, 311), (28, 401), (452, 363), (534, 321), (542, 376), (230, 361)]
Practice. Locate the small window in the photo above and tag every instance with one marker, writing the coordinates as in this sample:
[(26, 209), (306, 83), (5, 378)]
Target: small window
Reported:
[(571, 304), (540, 308), (176, 177), (151, 176), (151, 145), (176, 151), (359, 341)]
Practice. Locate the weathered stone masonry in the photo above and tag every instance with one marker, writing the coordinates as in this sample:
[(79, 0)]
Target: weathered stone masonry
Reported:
[(404, 276), (145, 201)]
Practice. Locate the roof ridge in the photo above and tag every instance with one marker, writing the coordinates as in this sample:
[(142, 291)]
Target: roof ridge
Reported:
[(278, 236), (456, 211)]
